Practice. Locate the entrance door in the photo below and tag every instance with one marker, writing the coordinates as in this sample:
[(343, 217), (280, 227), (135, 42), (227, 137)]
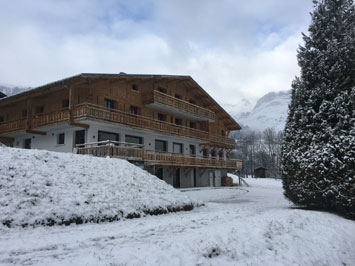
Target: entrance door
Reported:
[(194, 176), (79, 137), (176, 178), (159, 173)]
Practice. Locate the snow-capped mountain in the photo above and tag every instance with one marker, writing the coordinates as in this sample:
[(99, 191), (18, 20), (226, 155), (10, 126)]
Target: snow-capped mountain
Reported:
[(11, 90), (270, 111)]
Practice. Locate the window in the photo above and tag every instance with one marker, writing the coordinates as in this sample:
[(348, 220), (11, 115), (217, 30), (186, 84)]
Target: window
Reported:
[(27, 143), (162, 90), (213, 154), (1, 118), (223, 133), (192, 125), (39, 109), (134, 110), (65, 103), (178, 96), (110, 104), (24, 113), (221, 155), (161, 117), (103, 136), (177, 148), (135, 87), (160, 145), (60, 138), (192, 150), (79, 137), (192, 101), (178, 121), (134, 139), (205, 153)]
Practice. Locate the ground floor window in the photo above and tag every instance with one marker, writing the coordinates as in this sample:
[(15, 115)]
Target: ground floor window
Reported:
[(161, 145), (192, 150), (133, 139), (79, 137), (60, 138), (104, 135), (177, 148), (27, 143)]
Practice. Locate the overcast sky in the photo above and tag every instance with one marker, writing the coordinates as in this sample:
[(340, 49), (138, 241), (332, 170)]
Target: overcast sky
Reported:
[(234, 49)]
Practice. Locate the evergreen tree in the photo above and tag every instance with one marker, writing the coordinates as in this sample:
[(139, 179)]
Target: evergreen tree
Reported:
[(318, 150)]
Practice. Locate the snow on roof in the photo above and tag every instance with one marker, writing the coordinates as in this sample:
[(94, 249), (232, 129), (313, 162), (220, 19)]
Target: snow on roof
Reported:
[(42, 187)]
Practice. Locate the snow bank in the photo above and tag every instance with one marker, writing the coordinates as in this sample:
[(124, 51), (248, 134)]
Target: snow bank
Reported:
[(46, 188)]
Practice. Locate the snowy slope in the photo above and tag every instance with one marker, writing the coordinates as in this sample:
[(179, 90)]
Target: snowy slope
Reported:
[(236, 227), (41, 187), (269, 111)]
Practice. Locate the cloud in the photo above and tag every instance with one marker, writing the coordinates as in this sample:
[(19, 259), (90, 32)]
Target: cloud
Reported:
[(234, 49)]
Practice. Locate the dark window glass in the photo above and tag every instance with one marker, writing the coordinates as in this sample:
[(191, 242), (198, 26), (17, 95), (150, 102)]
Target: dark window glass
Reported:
[(178, 121), (134, 139), (220, 155), (79, 137), (178, 96), (135, 87), (162, 90), (27, 144), (213, 154), (205, 153), (133, 110), (177, 148), (192, 150), (192, 101), (192, 125), (160, 145), (61, 138), (39, 109), (24, 113), (103, 136), (1, 118), (223, 133), (65, 103), (161, 117), (110, 104)]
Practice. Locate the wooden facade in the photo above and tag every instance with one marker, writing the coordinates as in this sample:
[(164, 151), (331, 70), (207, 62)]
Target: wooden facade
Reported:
[(170, 105)]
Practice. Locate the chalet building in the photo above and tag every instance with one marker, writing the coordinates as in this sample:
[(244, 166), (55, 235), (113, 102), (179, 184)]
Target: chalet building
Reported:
[(165, 124)]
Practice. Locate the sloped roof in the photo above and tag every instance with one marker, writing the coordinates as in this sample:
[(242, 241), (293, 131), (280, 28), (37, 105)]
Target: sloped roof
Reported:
[(230, 123)]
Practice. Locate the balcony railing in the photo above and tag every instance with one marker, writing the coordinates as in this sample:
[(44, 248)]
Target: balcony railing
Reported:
[(157, 97), (88, 111), (135, 152)]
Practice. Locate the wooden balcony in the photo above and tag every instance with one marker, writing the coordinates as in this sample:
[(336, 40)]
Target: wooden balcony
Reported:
[(161, 101), (135, 152), (93, 112), (90, 111)]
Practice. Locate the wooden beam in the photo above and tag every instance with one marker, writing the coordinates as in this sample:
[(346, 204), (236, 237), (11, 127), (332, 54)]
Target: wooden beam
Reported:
[(36, 132), (203, 147), (173, 171), (74, 124), (188, 171), (203, 171)]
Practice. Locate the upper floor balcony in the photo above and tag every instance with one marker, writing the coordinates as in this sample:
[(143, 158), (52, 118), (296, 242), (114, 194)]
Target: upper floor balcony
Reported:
[(164, 102)]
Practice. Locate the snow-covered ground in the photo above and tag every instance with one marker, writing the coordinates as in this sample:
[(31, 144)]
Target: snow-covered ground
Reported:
[(237, 226), (41, 187)]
